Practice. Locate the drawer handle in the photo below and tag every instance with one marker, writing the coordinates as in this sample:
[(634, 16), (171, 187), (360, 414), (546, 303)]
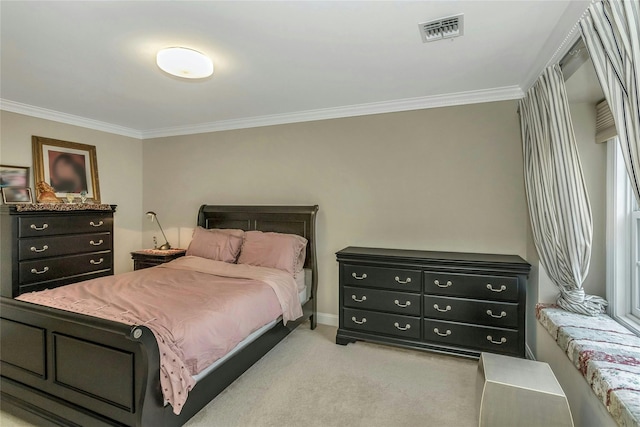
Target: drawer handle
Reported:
[(92, 243), (407, 304), (353, 297), (502, 340), (446, 285), (93, 224), (44, 227), (447, 308), (44, 270), (407, 326), (94, 262), (403, 282), (34, 249), (502, 288), (446, 334), (359, 322), (355, 276), (500, 316)]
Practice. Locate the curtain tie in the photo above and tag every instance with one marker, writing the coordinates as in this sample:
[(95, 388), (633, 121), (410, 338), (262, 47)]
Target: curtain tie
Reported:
[(577, 301)]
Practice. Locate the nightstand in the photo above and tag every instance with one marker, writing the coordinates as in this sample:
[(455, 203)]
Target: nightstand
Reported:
[(151, 257)]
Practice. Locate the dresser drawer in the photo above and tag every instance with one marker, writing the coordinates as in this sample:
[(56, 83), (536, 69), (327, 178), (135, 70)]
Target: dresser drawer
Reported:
[(502, 288), (44, 247), (502, 314), (471, 336), (55, 268), (52, 225), (388, 324), (379, 277), (374, 299)]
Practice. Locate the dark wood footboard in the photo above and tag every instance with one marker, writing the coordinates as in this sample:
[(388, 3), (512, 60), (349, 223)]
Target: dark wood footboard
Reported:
[(70, 368)]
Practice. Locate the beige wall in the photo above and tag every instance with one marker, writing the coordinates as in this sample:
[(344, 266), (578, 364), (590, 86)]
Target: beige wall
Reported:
[(440, 179), (533, 292), (119, 168)]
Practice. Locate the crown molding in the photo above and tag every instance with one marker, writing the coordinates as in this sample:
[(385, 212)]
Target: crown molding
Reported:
[(435, 101), (70, 119), (563, 36)]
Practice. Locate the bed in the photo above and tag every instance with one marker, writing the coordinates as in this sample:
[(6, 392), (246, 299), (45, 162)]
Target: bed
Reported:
[(72, 369)]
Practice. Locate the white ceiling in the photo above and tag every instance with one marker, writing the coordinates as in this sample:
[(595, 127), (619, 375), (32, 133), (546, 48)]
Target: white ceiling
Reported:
[(94, 62)]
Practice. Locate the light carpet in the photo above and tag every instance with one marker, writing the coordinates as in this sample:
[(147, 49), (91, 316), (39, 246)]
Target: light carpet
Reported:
[(309, 380)]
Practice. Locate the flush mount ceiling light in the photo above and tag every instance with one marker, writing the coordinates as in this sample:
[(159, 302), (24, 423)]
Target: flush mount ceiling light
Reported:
[(184, 62)]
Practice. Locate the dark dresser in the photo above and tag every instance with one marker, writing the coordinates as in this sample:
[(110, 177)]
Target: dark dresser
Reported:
[(45, 249), (458, 303)]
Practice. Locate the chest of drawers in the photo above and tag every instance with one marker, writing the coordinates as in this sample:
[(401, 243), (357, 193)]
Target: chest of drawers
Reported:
[(46, 249), (439, 301)]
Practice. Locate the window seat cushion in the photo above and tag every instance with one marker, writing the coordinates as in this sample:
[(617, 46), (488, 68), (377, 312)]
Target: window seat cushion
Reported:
[(605, 352)]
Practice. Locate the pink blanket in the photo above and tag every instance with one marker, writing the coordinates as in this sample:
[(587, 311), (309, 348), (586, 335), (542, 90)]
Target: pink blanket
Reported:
[(198, 310)]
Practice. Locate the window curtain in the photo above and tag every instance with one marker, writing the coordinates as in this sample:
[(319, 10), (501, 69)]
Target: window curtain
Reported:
[(611, 32), (556, 193)]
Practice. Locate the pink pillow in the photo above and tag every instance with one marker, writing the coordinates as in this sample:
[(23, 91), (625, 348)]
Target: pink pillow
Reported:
[(232, 231), (215, 244), (274, 250)]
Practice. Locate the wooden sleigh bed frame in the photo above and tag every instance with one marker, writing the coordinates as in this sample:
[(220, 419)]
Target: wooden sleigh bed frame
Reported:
[(64, 368)]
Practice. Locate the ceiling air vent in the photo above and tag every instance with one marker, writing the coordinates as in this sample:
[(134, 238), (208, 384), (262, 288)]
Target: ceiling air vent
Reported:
[(443, 28)]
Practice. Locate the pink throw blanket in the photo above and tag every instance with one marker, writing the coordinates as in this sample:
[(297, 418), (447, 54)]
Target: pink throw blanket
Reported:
[(198, 310)]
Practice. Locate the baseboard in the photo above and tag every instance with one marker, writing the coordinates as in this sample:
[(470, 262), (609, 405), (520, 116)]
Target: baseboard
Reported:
[(328, 319), (529, 353)]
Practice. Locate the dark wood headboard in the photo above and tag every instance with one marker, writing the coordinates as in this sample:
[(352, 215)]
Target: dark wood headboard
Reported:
[(300, 220)]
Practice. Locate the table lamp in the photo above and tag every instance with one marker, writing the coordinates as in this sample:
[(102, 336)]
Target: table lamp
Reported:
[(152, 215)]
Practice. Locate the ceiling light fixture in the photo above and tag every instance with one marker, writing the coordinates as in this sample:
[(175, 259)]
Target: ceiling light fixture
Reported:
[(184, 62)]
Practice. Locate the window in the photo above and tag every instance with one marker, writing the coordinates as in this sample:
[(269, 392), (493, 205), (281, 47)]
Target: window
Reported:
[(635, 258), (623, 243)]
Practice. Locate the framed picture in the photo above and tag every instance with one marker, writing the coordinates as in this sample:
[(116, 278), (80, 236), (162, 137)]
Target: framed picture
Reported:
[(14, 176), (16, 195), (69, 167)]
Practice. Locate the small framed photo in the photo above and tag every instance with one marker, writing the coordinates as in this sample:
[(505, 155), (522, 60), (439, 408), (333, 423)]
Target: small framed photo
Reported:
[(14, 176), (69, 167), (16, 195)]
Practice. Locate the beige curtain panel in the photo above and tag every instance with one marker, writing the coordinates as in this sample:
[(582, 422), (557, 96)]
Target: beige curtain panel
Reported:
[(611, 32), (556, 192)]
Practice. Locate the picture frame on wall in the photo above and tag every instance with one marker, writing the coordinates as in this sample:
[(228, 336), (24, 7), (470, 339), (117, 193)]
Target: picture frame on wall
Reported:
[(14, 176), (69, 167), (16, 195)]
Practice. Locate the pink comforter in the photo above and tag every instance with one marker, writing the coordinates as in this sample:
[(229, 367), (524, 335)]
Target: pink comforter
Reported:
[(198, 310)]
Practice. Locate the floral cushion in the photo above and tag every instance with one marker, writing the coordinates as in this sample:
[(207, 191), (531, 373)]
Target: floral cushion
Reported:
[(605, 352)]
